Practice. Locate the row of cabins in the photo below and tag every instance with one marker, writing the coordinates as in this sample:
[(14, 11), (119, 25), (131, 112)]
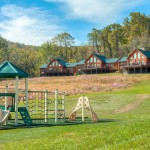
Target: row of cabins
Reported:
[(137, 62)]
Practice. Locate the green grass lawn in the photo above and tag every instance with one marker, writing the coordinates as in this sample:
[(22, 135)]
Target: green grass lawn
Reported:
[(129, 128)]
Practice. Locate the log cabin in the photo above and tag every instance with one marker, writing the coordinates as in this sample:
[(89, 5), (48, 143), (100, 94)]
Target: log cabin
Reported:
[(95, 63), (138, 62), (56, 67)]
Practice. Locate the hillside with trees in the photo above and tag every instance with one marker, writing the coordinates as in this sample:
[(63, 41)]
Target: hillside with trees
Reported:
[(114, 40)]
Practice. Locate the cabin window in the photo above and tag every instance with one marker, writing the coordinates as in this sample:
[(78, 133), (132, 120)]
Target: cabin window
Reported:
[(139, 55), (131, 58), (94, 59), (94, 65), (143, 62), (142, 56), (91, 59), (135, 56)]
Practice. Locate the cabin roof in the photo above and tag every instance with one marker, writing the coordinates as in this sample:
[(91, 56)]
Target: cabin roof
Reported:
[(145, 52), (62, 62), (71, 64), (81, 62), (123, 59), (44, 66), (101, 57), (111, 60)]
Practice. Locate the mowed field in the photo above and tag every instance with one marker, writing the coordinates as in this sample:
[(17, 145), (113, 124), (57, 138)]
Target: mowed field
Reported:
[(122, 103)]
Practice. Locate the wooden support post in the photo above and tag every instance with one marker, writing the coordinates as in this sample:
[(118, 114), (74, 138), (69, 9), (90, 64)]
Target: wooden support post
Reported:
[(6, 97), (82, 108), (45, 111), (63, 104), (56, 105), (134, 70), (140, 69), (6, 100), (26, 92), (16, 102)]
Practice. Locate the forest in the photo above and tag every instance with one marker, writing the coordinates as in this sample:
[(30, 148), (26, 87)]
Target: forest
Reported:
[(114, 40)]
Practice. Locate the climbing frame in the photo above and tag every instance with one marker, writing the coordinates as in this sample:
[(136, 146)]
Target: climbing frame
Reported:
[(83, 103)]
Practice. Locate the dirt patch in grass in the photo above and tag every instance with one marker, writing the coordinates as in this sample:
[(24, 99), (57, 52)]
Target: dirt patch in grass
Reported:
[(133, 105)]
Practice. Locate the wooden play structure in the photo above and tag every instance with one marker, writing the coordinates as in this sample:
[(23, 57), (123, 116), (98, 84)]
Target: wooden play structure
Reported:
[(83, 103)]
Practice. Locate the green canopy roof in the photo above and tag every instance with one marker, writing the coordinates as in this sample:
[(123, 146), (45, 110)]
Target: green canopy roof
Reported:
[(9, 70)]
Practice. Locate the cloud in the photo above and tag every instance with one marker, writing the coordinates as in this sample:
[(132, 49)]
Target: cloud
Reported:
[(31, 26), (98, 11)]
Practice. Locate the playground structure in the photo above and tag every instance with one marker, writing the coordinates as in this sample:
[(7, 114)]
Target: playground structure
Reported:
[(34, 107), (43, 107), (9, 70), (83, 103)]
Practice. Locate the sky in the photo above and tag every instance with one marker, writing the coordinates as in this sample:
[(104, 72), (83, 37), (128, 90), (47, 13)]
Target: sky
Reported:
[(34, 22)]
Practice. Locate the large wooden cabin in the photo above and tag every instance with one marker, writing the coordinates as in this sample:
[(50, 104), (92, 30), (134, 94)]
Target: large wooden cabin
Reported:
[(56, 67), (95, 63), (138, 62)]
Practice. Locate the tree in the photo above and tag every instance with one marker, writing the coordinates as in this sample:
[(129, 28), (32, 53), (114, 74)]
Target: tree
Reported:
[(64, 41), (49, 51), (4, 51), (139, 29), (116, 38), (94, 40)]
